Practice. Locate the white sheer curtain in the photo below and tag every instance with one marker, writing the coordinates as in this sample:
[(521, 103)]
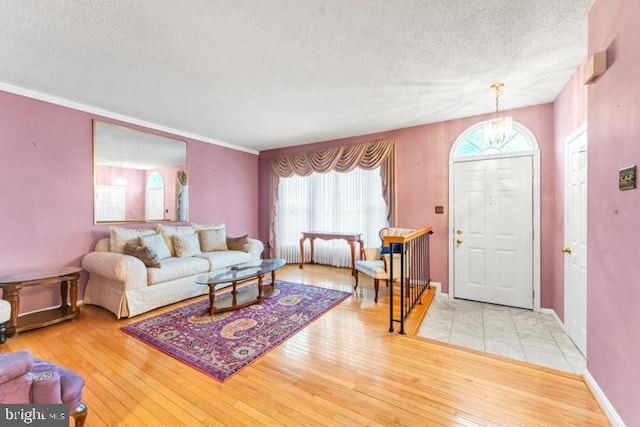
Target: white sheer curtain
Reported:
[(333, 201)]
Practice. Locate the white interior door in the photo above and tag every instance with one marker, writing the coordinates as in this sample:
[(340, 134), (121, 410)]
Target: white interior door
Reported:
[(493, 223), (575, 250)]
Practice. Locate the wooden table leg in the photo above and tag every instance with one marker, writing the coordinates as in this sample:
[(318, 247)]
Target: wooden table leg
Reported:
[(73, 293), (12, 294), (302, 252), (311, 261), (64, 286), (352, 246), (273, 279), (234, 294), (260, 287), (212, 297)]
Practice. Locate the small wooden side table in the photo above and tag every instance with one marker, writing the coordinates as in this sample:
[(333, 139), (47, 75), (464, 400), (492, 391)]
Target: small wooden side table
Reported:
[(11, 285)]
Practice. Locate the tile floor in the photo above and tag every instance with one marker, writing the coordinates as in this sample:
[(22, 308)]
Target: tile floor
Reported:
[(506, 331)]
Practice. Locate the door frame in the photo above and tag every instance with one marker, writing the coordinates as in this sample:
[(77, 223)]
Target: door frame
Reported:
[(535, 158), (582, 130)]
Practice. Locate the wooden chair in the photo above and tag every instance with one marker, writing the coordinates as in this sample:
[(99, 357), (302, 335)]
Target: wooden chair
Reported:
[(377, 264)]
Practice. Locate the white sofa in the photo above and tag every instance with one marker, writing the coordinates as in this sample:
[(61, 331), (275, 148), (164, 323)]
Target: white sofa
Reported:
[(124, 285)]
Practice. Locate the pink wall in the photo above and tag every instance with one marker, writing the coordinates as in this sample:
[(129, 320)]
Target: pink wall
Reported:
[(46, 188), (223, 188), (423, 174), (613, 271), (570, 113)]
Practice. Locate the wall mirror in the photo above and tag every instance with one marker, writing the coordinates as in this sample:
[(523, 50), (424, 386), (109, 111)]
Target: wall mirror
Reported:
[(138, 176)]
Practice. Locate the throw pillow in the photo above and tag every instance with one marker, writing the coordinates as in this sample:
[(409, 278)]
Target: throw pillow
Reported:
[(168, 232), (143, 253), (238, 243), (186, 245), (155, 242), (213, 240), (120, 236)]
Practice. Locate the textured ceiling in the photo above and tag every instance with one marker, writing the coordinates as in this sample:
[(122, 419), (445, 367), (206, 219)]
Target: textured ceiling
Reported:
[(265, 74)]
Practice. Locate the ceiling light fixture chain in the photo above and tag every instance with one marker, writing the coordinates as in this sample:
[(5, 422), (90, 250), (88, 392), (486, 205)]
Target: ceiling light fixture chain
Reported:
[(497, 86), (498, 127)]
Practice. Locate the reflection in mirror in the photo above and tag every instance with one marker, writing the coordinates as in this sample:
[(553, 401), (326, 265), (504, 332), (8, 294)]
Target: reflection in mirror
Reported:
[(138, 176)]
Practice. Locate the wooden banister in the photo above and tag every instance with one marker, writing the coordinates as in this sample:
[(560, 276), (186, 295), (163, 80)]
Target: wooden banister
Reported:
[(407, 237)]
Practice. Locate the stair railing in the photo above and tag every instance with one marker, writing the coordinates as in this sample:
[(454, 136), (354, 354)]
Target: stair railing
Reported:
[(409, 255)]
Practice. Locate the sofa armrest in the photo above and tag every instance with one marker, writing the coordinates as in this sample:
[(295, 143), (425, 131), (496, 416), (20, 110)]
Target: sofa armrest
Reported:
[(13, 365), (119, 267), (256, 247)]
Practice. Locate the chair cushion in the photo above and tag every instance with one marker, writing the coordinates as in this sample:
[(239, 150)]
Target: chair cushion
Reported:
[(374, 269)]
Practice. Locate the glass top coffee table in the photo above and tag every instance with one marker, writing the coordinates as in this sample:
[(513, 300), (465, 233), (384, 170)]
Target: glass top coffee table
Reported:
[(239, 280)]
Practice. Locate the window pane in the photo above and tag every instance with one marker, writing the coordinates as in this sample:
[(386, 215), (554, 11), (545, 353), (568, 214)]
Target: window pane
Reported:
[(475, 142), (336, 202)]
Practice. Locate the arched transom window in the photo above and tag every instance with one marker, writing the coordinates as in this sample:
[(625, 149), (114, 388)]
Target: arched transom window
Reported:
[(475, 142)]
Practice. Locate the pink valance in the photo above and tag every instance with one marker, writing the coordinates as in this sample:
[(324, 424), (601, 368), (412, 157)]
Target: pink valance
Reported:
[(367, 156), (341, 159)]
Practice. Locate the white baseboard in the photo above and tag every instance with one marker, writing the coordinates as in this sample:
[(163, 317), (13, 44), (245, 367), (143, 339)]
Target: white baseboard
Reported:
[(553, 312), (597, 392), (438, 287), (608, 408)]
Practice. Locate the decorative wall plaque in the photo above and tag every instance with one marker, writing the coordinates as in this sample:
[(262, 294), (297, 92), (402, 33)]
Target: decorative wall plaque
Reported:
[(627, 178)]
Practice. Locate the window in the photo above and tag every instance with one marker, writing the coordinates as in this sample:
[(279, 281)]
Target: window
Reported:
[(474, 143), (338, 202)]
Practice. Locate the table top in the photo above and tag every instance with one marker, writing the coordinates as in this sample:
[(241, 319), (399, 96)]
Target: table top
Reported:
[(19, 276), (331, 233), (240, 272)]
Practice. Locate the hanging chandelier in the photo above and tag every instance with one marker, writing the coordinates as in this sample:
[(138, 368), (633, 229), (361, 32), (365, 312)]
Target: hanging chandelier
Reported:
[(497, 128)]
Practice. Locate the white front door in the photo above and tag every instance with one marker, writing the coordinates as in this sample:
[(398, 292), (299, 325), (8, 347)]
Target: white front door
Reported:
[(493, 231), (575, 250)]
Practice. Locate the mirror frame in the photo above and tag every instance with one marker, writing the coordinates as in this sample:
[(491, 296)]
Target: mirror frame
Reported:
[(149, 137)]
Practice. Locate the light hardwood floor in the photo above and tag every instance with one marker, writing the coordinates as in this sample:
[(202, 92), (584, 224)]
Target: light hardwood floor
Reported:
[(344, 369)]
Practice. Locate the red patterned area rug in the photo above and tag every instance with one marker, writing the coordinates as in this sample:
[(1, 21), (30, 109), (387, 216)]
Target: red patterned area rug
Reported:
[(223, 344)]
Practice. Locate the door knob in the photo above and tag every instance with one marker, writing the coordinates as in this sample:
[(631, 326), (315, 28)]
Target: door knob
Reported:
[(566, 250), (458, 232), (458, 242)]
